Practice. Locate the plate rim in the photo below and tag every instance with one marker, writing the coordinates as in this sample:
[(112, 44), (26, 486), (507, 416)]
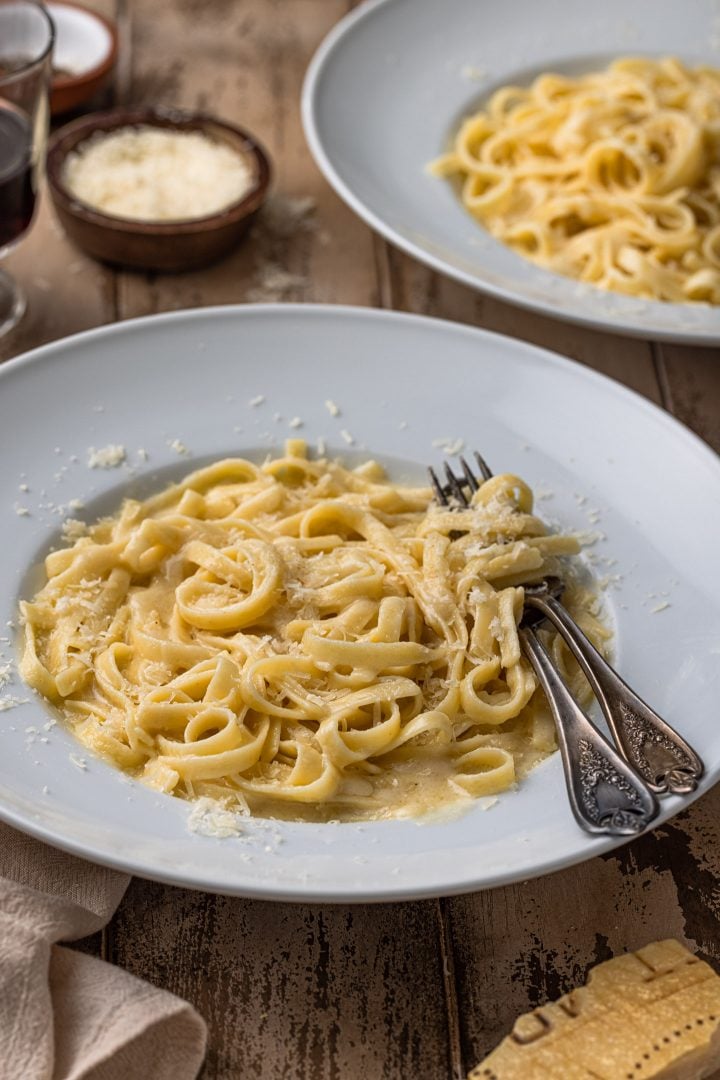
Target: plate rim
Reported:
[(309, 98), (295, 890), (365, 311)]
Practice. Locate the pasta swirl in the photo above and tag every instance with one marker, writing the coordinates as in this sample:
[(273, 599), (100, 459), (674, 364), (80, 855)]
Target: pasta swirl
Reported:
[(302, 640), (612, 178)]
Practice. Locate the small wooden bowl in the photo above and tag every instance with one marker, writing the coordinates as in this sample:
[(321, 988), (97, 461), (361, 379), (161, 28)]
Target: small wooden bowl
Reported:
[(155, 245), (86, 46)]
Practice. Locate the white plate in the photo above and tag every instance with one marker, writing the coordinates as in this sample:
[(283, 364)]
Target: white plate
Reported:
[(390, 84), (401, 382)]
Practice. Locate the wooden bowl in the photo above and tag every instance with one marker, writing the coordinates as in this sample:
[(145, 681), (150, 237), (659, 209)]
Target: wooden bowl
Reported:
[(155, 245), (84, 56)]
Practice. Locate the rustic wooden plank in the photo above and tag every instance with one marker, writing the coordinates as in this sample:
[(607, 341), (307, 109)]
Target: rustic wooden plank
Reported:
[(299, 992), (251, 74), (690, 379)]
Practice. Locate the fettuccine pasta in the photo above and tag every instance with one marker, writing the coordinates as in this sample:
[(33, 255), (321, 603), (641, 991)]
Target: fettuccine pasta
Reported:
[(612, 178), (303, 640)]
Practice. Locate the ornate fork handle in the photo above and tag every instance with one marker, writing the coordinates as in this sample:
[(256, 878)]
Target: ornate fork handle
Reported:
[(606, 796), (663, 759)]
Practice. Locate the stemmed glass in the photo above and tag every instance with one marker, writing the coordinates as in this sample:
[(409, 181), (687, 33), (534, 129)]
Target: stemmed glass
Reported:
[(26, 41)]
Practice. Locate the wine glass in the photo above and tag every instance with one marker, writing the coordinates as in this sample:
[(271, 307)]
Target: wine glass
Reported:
[(26, 41)]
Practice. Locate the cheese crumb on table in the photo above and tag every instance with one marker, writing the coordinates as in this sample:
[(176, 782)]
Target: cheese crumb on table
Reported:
[(332, 408), (274, 283), (283, 215)]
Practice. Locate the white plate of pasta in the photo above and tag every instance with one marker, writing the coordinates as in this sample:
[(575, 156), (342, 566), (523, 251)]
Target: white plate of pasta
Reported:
[(244, 652), (560, 158)]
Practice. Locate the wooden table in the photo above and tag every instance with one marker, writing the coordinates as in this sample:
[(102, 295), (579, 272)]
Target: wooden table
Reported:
[(393, 991)]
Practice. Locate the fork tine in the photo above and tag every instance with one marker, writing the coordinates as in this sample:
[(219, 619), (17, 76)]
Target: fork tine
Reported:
[(469, 475), (485, 470), (437, 488), (455, 486)]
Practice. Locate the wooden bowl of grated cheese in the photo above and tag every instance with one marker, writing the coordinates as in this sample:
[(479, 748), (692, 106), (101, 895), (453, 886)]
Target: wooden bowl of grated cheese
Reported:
[(156, 189)]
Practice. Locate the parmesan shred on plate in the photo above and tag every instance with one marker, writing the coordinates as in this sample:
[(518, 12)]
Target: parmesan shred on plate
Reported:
[(153, 174), (107, 457), (208, 817)]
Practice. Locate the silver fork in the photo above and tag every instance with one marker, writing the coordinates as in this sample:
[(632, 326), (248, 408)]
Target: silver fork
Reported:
[(665, 761), (606, 794)]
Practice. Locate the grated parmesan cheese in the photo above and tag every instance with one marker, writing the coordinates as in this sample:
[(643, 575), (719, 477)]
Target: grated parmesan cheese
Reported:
[(209, 818), (450, 446), (12, 702), (107, 457), (151, 174), (275, 283), (72, 529)]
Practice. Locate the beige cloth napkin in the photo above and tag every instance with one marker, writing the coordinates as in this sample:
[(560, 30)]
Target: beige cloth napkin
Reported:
[(65, 1015)]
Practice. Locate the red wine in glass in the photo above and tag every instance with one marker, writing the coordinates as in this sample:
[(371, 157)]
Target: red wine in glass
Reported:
[(17, 180)]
